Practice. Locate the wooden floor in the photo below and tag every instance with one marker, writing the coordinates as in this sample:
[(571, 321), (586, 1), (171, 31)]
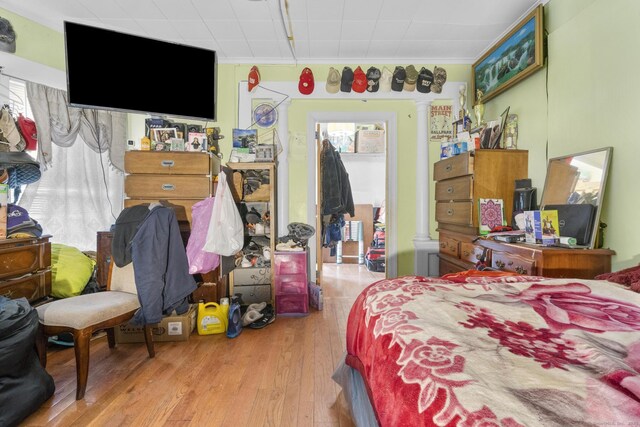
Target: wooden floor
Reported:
[(276, 376)]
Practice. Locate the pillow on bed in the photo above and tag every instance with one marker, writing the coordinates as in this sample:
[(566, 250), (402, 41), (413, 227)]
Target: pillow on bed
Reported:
[(70, 270), (629, 277)]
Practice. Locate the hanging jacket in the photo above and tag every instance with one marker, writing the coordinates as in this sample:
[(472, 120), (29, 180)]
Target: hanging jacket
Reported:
[(336, 188), (161, 267)]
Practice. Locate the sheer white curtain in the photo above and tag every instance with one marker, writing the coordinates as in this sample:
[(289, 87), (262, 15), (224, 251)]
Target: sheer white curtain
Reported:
[(73, 200)]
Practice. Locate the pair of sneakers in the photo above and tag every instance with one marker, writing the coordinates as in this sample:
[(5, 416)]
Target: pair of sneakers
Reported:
[(258, 315)]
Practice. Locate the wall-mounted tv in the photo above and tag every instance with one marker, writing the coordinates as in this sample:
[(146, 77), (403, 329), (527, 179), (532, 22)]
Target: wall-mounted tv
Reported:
[(116, 71)]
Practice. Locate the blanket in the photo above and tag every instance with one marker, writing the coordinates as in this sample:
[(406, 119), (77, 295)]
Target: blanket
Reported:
[(503, 351)]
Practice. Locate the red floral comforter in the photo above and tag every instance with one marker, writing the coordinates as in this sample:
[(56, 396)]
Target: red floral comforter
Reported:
[(513, 351)]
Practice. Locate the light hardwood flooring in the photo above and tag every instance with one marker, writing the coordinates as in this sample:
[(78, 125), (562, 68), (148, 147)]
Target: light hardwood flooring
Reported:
[(276, 376)]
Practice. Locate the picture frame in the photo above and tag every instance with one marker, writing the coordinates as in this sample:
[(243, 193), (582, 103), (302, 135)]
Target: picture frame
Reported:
[(163, 135), (516, 56), (265, 152), (197, 141)]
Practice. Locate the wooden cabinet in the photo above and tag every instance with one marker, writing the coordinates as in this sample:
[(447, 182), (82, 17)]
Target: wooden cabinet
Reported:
[(179, 179), (520, 258), (25, 268), (255, 283), (464, 179)]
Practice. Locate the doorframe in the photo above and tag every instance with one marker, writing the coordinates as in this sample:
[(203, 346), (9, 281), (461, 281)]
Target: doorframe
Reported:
[(391, 181)]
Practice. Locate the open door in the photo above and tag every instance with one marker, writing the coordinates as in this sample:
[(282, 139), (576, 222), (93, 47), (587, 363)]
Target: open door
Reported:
[(319, 236)]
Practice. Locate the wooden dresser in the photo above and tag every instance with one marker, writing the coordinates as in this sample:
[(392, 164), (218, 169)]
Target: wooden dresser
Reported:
[(25, 268), (460, 252), (460, 182), (179, 179)]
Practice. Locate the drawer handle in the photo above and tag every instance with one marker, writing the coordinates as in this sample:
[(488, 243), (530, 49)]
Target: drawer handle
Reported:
[(168, 187), (465, 253), (510, 263), (448, 168), (478, 256), (167, 163), (500, 264), (520, 269), (449, 211), (443, 245), (449, 190), (8, 293)]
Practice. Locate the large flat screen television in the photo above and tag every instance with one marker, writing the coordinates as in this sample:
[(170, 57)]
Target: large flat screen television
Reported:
[(116, 71)]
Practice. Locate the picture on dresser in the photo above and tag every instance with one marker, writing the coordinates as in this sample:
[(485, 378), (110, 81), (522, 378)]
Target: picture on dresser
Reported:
[(491, 215), (197, 141), (163, 135)]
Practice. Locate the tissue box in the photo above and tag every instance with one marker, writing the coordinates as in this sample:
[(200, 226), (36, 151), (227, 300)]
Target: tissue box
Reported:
[(171, 328)]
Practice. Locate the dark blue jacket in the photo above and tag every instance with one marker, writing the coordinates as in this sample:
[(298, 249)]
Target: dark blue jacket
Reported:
[(161, 267), (336, 188)]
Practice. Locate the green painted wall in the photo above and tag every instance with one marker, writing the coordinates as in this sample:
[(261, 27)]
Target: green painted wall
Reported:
[(36, 42), (592, 103)]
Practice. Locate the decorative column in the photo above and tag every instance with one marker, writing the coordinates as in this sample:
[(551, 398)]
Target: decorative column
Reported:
[(425, 249), (283, 167)]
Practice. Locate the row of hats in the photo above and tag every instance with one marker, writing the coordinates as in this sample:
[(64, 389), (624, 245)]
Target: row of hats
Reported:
[(402, 79)]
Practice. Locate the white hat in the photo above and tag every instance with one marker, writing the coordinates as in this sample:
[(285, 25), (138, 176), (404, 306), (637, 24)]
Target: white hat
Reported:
[(385, 80)]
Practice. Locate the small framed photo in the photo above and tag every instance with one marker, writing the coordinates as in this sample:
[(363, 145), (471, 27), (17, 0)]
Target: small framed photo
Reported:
[(265, 152), (197, 141), (163, 134), (177, 144)]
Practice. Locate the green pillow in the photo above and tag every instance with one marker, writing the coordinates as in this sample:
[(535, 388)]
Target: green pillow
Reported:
[(70, 270)]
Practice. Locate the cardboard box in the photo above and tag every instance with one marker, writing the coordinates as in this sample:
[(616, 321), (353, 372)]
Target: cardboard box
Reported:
[(171, 328), (370, 141), (4, 197)]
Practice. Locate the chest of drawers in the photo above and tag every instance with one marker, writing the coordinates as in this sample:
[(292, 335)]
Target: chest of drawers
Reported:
[(25, 268), (179, 179)]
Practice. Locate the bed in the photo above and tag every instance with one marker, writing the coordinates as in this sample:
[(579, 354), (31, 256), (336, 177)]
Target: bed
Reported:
[(493, 351)]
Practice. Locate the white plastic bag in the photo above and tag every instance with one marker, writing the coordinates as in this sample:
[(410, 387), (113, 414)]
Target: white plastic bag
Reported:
[(201, 261), (225, 235)]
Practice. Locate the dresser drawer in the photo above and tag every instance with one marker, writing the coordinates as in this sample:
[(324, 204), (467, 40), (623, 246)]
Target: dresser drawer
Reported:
[(455, 189), (455, 213), (182, 207), (473, 253), (167, 186), (167, 162), (21, 259), (32, 287), (449, 246), (453, 167), (511, 262)]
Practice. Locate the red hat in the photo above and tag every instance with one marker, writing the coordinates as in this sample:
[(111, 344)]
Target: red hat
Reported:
[(359, 80), (254, 78), (306, 84)]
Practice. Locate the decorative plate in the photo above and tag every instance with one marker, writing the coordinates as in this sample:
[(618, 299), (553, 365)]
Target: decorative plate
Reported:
[(265, 115)]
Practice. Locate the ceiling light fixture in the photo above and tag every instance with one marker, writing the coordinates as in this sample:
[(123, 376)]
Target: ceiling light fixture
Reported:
[(286, 24)]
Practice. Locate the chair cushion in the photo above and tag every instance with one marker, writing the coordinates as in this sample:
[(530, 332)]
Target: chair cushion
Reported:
[(83, 311)]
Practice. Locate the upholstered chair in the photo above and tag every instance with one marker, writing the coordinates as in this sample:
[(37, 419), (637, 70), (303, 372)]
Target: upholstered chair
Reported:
[(83, 315)]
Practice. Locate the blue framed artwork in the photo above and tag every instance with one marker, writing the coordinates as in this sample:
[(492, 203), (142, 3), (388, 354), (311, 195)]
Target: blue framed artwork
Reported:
[(516, 56)]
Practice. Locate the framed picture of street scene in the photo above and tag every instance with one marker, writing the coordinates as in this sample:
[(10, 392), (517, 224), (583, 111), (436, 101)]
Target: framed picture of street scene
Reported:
[(516, 56)]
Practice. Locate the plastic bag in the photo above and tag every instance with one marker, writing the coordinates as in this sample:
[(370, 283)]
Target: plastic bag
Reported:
[(201, 261), (226, 230)]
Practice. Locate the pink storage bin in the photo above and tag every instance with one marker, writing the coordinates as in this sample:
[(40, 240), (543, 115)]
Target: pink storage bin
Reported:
[(291, 284), (292, 304), (290, 263)]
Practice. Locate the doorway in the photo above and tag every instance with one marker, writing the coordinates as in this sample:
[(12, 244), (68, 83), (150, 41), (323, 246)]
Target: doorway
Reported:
[(357, 136)]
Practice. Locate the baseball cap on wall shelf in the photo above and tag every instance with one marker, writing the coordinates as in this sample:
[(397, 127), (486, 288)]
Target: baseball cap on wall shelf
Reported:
[(397, 81), (254, 78), (439, 78), (410, 79), (306, 83), (359, 80), (347, 79), (373, 79), (425, 78), (333, 81), (385, 80)]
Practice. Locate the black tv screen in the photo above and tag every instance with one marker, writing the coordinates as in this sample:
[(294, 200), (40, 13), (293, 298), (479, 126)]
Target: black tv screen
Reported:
[(116, 71)]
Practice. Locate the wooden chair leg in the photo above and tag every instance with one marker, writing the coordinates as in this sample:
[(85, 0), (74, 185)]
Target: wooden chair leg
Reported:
[(41, 345), (111, 337), (148, 338), (81, 339)]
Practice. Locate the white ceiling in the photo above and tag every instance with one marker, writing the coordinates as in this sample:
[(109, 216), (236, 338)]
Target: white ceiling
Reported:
[(255, 31)]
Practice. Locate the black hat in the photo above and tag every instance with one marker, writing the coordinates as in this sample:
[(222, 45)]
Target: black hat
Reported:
[(397, 82), (347, 79), (373, 79), (425, 78)]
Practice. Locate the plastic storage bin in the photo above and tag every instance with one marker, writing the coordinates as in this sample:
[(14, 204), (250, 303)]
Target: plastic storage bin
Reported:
[(290, 273), (290, 263), (292, 304)]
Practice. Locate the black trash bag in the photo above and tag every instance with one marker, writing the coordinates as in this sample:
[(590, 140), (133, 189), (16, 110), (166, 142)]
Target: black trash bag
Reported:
[(24, 384)]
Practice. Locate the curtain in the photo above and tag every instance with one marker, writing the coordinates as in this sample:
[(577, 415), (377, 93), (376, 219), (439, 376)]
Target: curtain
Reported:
[(77, 197), (60, 124)]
